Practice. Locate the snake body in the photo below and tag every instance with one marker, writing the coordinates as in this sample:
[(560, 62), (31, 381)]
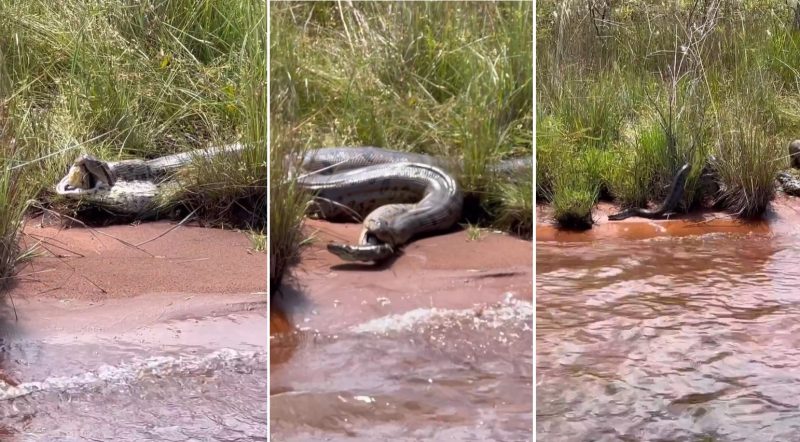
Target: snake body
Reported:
[(669, 204), (397, 201), (130, 187), (398, 194)]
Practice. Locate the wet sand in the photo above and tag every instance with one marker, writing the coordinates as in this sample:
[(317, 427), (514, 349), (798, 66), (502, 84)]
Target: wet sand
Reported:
[(442, 271), (112, 262), (192, 286)]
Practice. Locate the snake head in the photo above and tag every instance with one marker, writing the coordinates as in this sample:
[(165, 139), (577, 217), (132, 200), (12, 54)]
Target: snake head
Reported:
[(362, 252), (86, 174)]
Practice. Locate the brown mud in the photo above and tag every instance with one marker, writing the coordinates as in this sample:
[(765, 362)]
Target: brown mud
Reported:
[(782, 215), (127, 260)]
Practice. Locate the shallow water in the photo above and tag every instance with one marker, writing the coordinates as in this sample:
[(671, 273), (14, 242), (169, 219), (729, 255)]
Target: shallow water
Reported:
[(130, 386), (689, 338), (428, 374)]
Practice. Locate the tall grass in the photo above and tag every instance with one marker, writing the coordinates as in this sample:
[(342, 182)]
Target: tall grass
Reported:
[(121, 79), (452, 79), (660, 85)]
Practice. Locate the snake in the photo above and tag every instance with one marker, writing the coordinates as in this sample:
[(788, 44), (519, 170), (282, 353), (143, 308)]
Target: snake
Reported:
[(131, 187), (399, 195), (788, 182), (667, 206)]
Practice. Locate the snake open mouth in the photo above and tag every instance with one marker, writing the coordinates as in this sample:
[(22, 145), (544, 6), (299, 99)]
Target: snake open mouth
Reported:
[(370, 249), (79, 181), (137, 187)]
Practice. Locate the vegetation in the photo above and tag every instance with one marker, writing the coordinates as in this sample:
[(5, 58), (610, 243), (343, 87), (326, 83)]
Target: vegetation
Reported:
[(449, 79), (122, 79), (630, 91)]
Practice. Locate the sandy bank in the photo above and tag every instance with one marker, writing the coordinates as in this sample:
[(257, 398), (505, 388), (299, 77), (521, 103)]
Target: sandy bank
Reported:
[(95, 283), (196, 287), (104, 263), (782, 216), (443, 271)]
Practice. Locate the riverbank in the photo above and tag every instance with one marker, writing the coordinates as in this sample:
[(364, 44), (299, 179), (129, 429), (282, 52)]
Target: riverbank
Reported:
[(443, 271), (620, 109), (141, 81), (441, 334), (438, 78), (782, 215), (123, 318), (150, 258)]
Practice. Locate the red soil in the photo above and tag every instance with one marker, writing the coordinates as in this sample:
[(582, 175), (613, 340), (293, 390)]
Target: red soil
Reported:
[(444, 271), (98, 264), (191, 286)]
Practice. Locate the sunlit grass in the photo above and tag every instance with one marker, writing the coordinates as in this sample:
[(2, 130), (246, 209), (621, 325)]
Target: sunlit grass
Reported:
[(124, 80), (665, 85)]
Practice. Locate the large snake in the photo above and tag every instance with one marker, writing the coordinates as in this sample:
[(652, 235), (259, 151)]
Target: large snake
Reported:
[(399, 195), (130, 187), (669, 204), (789, 183)]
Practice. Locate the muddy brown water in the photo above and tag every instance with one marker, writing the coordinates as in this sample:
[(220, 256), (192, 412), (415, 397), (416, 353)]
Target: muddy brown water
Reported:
[(164, 341), (437, 346), (195, 373), (670, 337)]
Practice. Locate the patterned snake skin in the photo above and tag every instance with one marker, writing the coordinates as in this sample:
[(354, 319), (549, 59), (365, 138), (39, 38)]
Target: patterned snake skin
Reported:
[(397, 194), (130, 187)]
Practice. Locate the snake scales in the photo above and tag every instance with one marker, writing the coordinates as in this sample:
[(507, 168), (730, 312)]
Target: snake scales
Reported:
[(669, 204), (398, 195), (131, 187), (789, 183)]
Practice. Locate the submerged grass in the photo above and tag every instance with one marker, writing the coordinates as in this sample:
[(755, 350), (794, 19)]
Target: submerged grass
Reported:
[(452, 79), (666, 85), (141, 79)]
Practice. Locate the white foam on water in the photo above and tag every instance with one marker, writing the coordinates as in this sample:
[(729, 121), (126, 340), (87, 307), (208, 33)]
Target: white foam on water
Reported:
[(510, 311), (130, 372)]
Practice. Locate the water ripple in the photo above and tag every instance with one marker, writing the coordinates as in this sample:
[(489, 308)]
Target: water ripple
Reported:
[(691, 338)]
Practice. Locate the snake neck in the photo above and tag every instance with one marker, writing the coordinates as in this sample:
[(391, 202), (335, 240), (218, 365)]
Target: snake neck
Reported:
[(667, 206)]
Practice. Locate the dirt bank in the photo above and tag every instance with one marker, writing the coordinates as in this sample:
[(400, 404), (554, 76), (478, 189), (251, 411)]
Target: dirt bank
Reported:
[(89, 283), (192, 287), (443, 271), (783, 215), (122, 261)]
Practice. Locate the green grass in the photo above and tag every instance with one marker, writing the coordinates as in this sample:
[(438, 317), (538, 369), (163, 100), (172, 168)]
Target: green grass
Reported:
[(287, 207), (453, 79), (474, 233), (142, 79), (258, 241), (665, 85)]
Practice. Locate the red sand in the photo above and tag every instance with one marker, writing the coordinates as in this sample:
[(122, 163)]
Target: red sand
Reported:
[(191, 286), (445, 271), (102, 263)]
